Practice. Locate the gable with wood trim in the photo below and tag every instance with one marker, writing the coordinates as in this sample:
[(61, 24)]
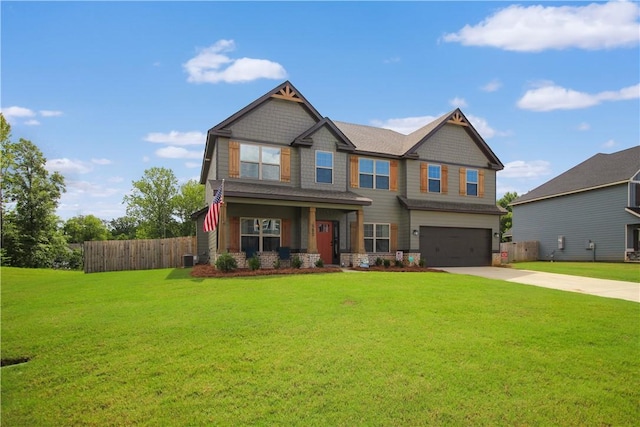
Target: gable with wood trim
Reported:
[(299, 183)]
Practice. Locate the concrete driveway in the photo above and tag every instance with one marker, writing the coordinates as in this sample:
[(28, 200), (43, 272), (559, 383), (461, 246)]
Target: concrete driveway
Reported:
[(601, 287)]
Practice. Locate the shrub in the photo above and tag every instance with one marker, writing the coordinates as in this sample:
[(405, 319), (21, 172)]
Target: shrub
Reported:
[(226, 263), (387, 263), (379, 262), (296, 262), (399, 263), (422, 262), (276, 264), (254, 263), (319, 263)]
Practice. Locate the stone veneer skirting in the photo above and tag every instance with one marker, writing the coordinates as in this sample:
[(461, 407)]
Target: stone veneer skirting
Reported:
[(269, 259)]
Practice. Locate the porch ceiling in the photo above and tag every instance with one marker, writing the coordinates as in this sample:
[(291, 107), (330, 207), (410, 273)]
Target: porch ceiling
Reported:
[(429, 205)]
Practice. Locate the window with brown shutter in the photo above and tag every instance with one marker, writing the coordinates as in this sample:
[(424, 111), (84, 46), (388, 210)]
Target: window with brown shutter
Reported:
[(393, 175), (353, 172), (481, 183), (234, 159), (234, 234), (285, 233), (285, 164), (393, 238), (423, 178), (463, 181), (444, 188)]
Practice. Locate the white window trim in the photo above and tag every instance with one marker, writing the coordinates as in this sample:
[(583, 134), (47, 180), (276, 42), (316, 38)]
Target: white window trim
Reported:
[(260, 162), (374, 238), (476, 182), (434, 179), (324, 167), (374, 174)]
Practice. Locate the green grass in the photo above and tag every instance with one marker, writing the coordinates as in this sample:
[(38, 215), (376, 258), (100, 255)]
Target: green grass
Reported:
[(161, 348), (627, 272)]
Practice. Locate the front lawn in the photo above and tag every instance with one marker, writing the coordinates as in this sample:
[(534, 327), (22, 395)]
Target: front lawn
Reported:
[(161, 347), (627, 272)]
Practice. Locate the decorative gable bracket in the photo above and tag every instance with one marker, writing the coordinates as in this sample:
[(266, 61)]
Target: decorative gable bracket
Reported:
[(288, 94), (458, 119)]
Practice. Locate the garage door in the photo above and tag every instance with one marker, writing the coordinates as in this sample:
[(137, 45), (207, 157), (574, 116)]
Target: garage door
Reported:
[(455, 247)]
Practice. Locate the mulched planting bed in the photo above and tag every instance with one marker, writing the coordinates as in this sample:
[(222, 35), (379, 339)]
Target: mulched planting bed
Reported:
[(206, 270)]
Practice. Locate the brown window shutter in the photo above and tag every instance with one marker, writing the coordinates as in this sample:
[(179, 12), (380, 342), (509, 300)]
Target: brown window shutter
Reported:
[(234, 159), (444, 179), (355, 175), (463, 181), (285, 235), (424, 181), (393, 237), (481, 183), (353, 233), (285, 164), (234, 234), (393, 178)]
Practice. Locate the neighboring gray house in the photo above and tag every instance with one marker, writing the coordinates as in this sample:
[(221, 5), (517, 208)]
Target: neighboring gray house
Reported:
[(297, 182), (590, 212)]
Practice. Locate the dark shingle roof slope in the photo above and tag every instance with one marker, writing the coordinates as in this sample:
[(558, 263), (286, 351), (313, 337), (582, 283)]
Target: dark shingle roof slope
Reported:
[(598, 171)]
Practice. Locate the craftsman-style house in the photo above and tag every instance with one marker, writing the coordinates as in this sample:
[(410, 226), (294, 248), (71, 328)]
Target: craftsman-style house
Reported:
[(297, 183)]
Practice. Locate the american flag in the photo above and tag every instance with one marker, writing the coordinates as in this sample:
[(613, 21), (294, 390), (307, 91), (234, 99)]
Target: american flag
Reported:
[(213, 216)]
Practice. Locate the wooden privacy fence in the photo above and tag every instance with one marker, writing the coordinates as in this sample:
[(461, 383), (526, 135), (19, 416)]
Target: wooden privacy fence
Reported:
[(519, 251), (119, 255)]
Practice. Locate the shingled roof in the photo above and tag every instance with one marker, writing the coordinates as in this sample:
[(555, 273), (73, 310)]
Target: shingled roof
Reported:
[(601, 170)]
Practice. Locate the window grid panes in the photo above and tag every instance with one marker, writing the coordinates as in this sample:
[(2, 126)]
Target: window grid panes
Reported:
[(259, 162), (324, 167), (472, 182), (435, 177), (259, 234), (376, 237), (374, 173)]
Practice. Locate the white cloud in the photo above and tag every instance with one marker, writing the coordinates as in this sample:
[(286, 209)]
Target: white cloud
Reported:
[(407, 125), (537, 28), (101, 161), (584, 126), (176, 138), (522, 169), (172, 152), (32, 122), (609, 144), (458, 102), (50, 113), (15, 112), (68, 166), (212, 65), (550, 97), (492, 86)]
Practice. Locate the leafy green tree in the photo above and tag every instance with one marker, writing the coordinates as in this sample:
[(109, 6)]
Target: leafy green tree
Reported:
[(189, 200), (123, 228), (506, 220), (83, 228), (32, 194), (152, 203)]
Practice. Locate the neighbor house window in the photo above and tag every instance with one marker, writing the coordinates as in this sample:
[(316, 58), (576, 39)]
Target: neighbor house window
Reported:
[(434, 178), (259, 234), (472, 182), (324, 167), (259, 162), (376, 237), (374, 173)]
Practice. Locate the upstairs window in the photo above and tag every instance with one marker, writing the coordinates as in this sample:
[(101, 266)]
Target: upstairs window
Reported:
[(259, 162), (374, 173), (324, 167), (472, 182), (434, 178)]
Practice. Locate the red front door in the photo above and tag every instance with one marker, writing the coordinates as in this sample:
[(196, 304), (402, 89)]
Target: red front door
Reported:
[(325, 241)]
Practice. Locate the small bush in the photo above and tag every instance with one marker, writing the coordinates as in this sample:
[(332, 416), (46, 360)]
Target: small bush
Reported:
[(320, 263), (276, 264), (422, 262), (254, 263), (387, 263), (399, 263), (379, 262), (296, 262), (226, 263)]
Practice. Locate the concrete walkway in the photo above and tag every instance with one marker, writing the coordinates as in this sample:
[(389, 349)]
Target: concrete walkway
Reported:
[(601, 287)]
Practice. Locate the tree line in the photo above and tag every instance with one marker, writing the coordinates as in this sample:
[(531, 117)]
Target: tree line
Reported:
[(32, 235)]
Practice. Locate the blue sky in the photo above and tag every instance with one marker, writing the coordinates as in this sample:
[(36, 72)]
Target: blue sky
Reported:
[(109, 89)]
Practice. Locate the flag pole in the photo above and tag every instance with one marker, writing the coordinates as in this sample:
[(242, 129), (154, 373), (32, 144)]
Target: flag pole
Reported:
[(222, 245)]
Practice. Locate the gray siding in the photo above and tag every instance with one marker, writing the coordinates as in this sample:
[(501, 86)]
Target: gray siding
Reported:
[(276, 121), (452, 144), (596, 215), (450, 219)]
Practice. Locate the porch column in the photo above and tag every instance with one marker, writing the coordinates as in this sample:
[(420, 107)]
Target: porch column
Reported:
[(222, 229), (360, 231), (312, 245)]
